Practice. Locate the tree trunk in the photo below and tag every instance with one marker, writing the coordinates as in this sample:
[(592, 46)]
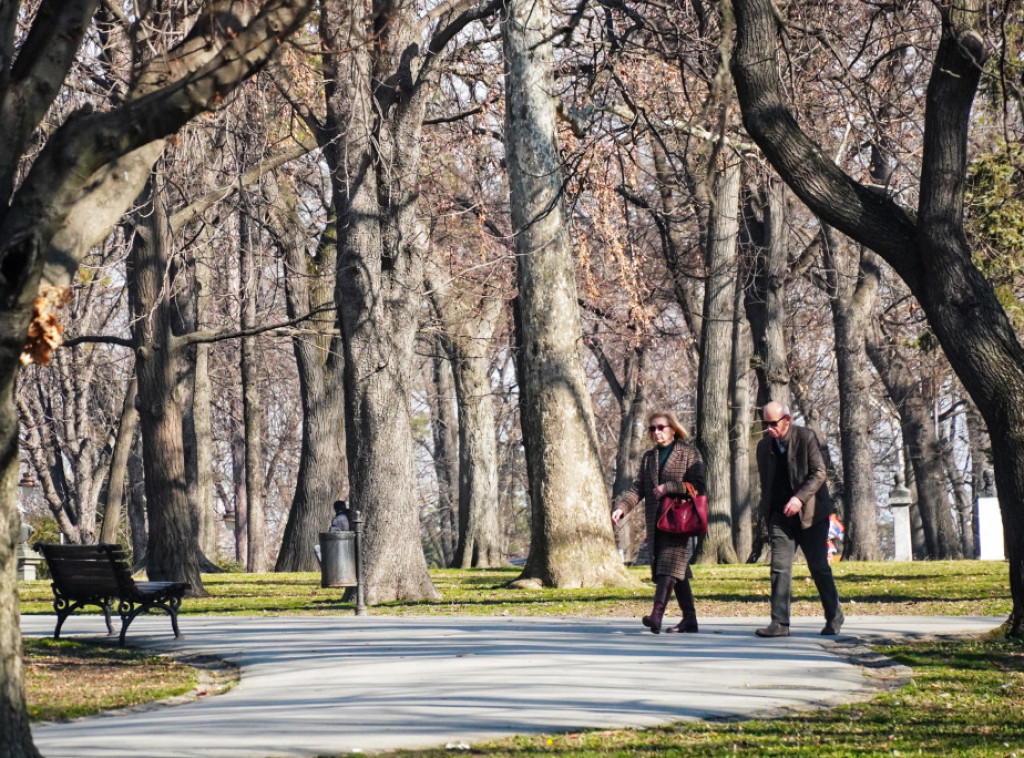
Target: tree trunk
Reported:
[(713, 395), (924, 450), (765, 300), (14, 726), (852, 276), (322, 476), (374, 166), (981, 449), (257, 559), (480, 538), (572, 541), (137, 506), (469, 314), (631, 395), (741, 416), (173, 547), (241, 495), (111, 529), (445, 430)]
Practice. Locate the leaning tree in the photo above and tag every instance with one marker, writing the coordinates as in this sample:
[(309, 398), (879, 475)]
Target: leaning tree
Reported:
[(928, 248)]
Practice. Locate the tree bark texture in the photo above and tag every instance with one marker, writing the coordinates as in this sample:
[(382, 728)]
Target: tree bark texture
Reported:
[(852, 277), (741, 419), (572, 541), (173, 546), (322, 476), (765, 301), (713, 391), (257, 557), (14, 724), (191, 303), (375, 107), (930, 251)]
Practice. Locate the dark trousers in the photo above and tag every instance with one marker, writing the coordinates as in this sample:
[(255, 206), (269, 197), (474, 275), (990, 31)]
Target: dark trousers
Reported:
[(786, 536)]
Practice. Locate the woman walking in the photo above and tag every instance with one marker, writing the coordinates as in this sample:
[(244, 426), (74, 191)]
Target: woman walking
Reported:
[(665, 469)]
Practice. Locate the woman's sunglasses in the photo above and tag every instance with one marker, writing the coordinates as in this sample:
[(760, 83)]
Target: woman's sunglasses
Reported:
[(658, 427)]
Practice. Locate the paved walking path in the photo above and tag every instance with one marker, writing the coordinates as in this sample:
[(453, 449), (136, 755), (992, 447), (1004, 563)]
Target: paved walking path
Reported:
[(333, 685)]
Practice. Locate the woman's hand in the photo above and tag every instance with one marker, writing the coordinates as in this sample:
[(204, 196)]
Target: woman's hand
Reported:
[(661, 490), (616, 516)]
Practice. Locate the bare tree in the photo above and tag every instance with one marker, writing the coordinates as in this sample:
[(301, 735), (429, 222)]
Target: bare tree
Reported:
[(852, 279), (929, 249), (572, 541), (717, 341)]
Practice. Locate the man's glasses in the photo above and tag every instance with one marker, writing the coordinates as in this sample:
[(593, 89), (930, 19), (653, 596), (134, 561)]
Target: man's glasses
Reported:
[(774, 423), (658, 428)]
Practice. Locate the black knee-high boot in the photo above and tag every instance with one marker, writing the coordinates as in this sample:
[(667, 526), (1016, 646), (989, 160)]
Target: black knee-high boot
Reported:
[(684, 594), (662, 592)]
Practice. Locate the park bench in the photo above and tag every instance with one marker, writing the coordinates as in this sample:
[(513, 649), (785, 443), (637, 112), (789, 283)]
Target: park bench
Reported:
[(100, 575)]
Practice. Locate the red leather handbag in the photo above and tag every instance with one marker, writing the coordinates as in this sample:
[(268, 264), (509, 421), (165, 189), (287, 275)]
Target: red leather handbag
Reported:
[(686, 516)]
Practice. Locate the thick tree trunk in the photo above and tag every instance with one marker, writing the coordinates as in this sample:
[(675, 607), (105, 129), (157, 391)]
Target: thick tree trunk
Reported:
[(713, 392), (572, 541), (852, 277), (929, 251), (374, 166), (14, 726), (322, 476), (173, 548)]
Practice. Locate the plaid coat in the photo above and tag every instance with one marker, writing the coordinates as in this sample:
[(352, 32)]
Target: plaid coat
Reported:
[(670, 553)]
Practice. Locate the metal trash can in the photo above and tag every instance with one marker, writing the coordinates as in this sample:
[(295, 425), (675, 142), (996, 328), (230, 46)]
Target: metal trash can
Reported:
[(338, 559)]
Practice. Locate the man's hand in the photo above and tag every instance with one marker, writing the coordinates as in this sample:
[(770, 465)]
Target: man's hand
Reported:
[(793, 507)]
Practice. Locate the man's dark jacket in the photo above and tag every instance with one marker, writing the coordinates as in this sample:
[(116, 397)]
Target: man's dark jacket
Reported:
[(807, 474)]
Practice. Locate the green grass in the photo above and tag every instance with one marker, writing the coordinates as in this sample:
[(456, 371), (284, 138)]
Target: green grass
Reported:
[(926, 588), (966, 699)]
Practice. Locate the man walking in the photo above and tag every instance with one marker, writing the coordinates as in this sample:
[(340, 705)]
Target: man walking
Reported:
[(796, 505)]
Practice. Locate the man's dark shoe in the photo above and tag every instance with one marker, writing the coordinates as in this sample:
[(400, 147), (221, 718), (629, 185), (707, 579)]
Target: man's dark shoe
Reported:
[(833, 627), (774, 629), (651, 623)]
